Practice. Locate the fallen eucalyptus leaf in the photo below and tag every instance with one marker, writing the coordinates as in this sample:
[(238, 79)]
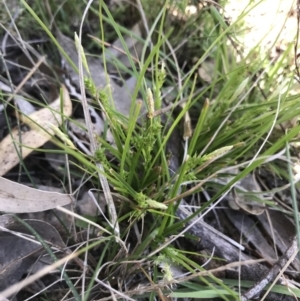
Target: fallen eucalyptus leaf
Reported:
[(18, 198), (38, 134)]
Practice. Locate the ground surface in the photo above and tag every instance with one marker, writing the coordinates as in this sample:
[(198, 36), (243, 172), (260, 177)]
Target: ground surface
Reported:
[(269, 29)]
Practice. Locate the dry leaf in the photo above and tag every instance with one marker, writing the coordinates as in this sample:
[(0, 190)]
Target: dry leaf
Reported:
[(18, 198), (246, 194), (251, 233), (38, 134), (248, 203), (19, 255)]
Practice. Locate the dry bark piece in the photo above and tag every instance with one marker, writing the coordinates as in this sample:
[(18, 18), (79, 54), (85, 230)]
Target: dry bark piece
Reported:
[(285, 259), (38, 134), (282, 230), (249, 230)]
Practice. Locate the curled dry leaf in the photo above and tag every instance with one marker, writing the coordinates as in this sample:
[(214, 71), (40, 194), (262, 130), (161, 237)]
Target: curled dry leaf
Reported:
[(38, 134), (243, 199), (246, 194), (18, 198)]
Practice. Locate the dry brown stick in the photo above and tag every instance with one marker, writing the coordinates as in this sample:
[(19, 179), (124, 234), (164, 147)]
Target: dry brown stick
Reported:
[(287, 257), (225, 250)]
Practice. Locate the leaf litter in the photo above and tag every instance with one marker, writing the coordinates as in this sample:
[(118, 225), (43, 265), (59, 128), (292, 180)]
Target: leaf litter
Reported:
[(21, 254)]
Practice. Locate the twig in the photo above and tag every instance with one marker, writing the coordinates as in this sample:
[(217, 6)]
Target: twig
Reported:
[(284, 261)]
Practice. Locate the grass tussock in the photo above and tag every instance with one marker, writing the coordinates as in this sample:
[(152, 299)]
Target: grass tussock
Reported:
[(201, 111)]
